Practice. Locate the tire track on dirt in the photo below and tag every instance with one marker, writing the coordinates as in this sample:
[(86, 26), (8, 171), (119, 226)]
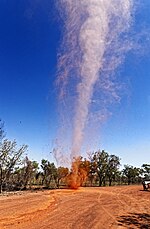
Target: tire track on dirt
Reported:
[(110, 216), (86, 208), (32, 214), (132, 203)]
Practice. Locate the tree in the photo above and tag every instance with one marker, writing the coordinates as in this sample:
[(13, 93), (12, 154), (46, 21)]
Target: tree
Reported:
[(112, 168), (83, 169), (132, 173), (62, 172), (49, 172), (29, 172), (92, 169), (100, 159), (146, 171), (10, 156)]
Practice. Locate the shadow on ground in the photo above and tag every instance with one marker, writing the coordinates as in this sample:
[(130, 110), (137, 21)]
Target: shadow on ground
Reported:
[(138, 220)]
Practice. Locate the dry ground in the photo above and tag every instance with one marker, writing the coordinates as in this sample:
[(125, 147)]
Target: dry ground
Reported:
[(89, 208)]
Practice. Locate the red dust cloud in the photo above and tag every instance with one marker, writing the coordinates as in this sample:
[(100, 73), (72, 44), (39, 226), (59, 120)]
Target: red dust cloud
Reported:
[(78, 174)]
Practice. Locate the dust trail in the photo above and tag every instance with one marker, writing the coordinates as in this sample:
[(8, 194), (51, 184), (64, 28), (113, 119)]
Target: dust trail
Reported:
[(94, 43)]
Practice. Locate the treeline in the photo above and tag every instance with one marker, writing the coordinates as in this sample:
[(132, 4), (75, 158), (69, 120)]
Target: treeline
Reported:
[(18, 172)]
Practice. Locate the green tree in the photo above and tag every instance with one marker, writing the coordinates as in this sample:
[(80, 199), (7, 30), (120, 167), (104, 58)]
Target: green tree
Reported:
[(62, 173), (100, 159), (10, 156), (29, 172), (49, 172), (146, 171), (112, 168), (132, 173), (92, 169)]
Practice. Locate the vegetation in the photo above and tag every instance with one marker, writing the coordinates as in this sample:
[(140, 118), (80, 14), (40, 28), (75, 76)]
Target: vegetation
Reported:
[(18, 172)]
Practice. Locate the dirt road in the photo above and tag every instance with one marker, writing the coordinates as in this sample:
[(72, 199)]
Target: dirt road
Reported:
[(87, 208)]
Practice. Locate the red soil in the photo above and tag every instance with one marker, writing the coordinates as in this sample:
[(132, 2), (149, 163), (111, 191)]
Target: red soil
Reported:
[(89, 208)]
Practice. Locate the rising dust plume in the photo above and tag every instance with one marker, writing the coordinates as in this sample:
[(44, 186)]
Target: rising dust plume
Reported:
[(93, 45)]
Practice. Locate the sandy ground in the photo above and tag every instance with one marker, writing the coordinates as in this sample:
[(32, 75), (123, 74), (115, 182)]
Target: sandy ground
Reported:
[(89, 208)]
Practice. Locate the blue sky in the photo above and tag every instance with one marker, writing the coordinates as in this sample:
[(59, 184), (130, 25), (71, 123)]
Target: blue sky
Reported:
[(29, 40)]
